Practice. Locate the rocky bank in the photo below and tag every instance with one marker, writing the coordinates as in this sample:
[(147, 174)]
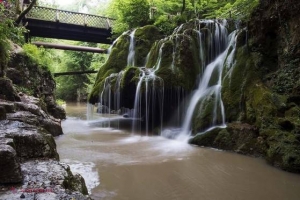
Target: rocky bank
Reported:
[(30, 167)]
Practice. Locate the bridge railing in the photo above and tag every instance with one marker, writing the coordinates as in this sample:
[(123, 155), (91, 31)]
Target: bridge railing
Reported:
[(69, 17)]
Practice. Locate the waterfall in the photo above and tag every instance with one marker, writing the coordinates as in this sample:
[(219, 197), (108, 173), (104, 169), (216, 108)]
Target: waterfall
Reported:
[(157, 65), (109, 95), (131, 54), (216, 53), (145, 105), (153, 89), (115, 41), (210, 84)]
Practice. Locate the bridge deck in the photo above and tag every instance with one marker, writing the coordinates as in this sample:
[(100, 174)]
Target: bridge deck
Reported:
[(60, 24)]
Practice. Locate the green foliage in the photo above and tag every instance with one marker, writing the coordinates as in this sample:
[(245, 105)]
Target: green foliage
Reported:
[(238, 9), (165, 25), (7, 32), (129, 14), (73, 87), (39, 55), (167, 14), (60, 102)]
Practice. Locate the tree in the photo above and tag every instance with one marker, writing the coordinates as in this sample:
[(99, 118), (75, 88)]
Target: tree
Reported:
[(183, 6), (74, 87), (129, 14), (23, 13)]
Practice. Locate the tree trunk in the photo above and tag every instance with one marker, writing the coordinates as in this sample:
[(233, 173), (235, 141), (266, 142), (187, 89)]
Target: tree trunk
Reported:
[(183, 6), (22, 15)]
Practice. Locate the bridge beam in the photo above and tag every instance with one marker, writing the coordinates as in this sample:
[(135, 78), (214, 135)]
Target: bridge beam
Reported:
[(70, 47), (74, 73)]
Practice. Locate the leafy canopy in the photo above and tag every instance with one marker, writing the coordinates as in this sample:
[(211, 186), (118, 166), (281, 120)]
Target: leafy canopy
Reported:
[(167, 14)]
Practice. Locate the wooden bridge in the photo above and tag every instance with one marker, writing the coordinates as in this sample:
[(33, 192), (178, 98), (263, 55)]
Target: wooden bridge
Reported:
[(61, 24)]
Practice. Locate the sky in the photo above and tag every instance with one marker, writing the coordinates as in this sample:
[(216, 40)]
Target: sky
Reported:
[(59, 2), (64, 4)]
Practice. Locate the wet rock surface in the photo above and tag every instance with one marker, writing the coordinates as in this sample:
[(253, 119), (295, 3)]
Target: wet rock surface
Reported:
[(45, 180), (10, 171), (29, 167), (30, 141)]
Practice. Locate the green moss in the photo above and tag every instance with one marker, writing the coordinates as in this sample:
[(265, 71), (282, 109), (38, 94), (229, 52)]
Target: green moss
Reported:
[(144, 39), (117, 61), (4, 56), (148, 32), (235, 83), (224, 140), (153, 54), (205, 139), (203, 114), (130, 76), (74, 182), (51, 142), (284, 151), (293, 112)]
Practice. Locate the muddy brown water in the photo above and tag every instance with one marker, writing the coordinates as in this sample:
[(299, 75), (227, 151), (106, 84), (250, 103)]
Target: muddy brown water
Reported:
[(120, 166)]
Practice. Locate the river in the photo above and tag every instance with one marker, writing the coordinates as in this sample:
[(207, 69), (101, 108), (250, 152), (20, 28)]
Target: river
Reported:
[(120, 166)]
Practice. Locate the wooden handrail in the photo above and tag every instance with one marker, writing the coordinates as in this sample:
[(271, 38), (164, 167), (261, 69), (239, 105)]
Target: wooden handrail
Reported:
[(72, 12), (70, 17)]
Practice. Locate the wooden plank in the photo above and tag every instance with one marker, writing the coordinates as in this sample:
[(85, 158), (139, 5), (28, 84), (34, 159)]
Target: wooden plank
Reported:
[(74, 73), (70, 47)]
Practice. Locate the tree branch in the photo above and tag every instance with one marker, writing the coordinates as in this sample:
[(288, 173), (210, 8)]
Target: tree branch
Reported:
[(22, 14)]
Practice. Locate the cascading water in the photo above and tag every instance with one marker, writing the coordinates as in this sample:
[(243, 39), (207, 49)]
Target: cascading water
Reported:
[(149, 91), (131, 54), (153, 90), (210, 84), (109, 95), (216, 49)]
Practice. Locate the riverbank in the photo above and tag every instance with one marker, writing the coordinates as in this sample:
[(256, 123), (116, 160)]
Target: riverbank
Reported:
[(29, 120), (30, 166)]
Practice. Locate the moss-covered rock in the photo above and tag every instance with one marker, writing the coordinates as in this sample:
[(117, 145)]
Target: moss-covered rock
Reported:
[(284, 150), (31, 78), (74, 182), (239, 137), (117, 60)]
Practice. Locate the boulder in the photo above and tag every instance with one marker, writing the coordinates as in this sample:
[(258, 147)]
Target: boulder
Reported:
[(57, 111), (239, 137), (52, 126), (30, 141), (10, 171), (8, 91)]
